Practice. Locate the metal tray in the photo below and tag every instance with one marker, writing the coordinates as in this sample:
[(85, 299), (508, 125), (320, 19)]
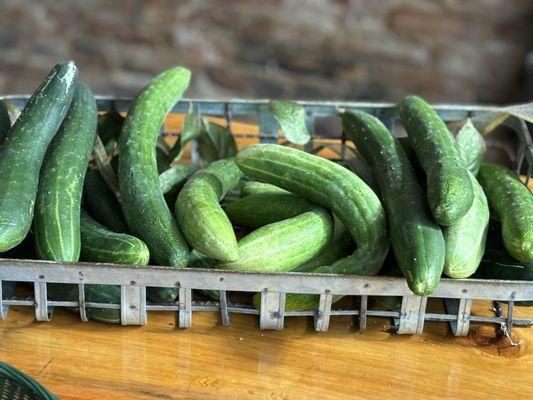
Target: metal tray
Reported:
[(457, 294)]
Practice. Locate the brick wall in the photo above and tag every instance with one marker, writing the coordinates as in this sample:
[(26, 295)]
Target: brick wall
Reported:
[(446, 50)]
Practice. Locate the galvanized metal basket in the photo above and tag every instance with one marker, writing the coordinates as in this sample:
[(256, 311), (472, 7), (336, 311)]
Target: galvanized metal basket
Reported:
[(457, 294)]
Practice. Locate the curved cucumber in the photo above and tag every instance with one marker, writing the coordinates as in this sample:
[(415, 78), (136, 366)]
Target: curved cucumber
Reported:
[(512, 203), (263, 208), (175, 176), (449, 188), (22, 153), (56, 222), (200, 216), (465, 240), (102, 203), (254, 187), (334, 187), (284, 245), (98, 244), (417, 241), (143, 203), (340, 246)]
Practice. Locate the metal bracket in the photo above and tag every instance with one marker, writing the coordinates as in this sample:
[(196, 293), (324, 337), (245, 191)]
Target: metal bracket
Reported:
[(323, 313), (81, 302), (272, 311), (412, 314), (3, 308), (133, 305), (461, 308), (185, 312), (224, 314), (42, 311), (362, 312)]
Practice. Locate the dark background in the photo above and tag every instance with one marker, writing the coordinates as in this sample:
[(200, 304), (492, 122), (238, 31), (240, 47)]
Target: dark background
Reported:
[(445, 50)]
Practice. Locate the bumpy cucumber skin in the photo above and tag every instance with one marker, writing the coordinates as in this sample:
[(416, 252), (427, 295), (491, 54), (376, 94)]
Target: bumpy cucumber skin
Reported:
[(254, 187), (174, 176), (200, 216), (465, 240), (284, 245), (22, 153), (334, 187), (417, 240), (102, 204), (99, 244), (143, 202), (512, 203), (56, 222), (340, 246), (449, 189), (263, 208)]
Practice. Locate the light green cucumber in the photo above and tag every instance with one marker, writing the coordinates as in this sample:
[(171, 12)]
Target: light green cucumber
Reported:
[(284, 245), (199, 214)]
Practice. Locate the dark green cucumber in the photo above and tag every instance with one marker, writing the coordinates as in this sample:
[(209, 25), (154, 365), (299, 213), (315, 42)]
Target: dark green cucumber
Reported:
[(465, 240), (254, 187), (5, 122), (284, 245), (199, 214), (334, 187), (99, 244), (102, 204), (263, 208), (56, 223), (22, 153), (417, 240), (512, 203), (449, 189), (498, 264), (143, 202)]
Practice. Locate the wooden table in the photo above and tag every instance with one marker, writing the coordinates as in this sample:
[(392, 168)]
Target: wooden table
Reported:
[(93, 360)]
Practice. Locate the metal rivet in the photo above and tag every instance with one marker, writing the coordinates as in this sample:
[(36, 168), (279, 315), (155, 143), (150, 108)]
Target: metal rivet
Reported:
[(132, 282), (41, 276), (367, 285), (221, 279), (132, 307), (327, 291), (465, 291), (177, 284)]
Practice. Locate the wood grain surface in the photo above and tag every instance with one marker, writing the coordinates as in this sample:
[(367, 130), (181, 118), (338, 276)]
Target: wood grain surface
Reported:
[(93, 360)]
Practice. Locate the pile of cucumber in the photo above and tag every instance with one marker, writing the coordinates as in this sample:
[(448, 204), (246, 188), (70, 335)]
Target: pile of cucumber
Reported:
[(131, 203)]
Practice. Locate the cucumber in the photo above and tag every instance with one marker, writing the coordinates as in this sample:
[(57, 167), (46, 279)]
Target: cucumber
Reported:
[(143, 203), (99, 244), (22, 153), (465, 240), (334, 187), (417, 240), (254, 187), (263, 208), (512, 203), (175, 176), (56, 222), (284, 245), (340, 246), (449, 188), (200, 216), (102, 204), (5, 122)]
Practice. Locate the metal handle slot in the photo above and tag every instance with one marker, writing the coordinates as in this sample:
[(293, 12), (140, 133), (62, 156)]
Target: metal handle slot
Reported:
[(412, 315), (461, 308), (363, 312), (81, 303), (185, 311), (324, 312), (224, 313), (42, 311), (133, 305), (271, 315)]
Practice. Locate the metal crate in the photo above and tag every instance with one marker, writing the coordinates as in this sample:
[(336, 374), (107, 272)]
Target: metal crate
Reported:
[(457, 294)]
